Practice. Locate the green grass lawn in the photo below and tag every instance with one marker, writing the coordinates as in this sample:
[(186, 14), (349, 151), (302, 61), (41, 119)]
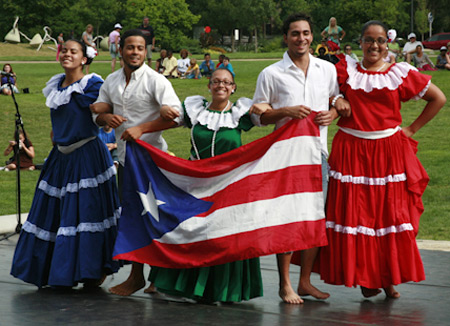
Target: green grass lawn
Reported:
[(433, 139)]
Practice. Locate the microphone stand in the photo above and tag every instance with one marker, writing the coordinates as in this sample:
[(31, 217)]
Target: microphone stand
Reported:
[(19, 125)]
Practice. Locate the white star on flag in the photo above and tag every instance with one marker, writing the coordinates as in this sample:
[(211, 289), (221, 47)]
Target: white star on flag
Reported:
[(150, 203)]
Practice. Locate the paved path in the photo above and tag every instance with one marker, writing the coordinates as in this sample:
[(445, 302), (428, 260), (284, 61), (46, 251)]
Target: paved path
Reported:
[(425, 303)]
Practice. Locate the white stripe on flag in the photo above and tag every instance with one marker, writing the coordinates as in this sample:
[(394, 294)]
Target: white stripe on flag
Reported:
[(248, 217), (302, 150)]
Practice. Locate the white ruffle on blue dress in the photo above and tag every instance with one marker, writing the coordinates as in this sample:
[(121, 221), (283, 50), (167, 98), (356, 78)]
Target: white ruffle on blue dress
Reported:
[(72, 225)]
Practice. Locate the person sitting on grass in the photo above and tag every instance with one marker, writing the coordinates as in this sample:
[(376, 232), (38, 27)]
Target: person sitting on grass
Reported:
[(26, 153), (227, 65), (193, 71), (207, 66), (443, 60), (6, 80)]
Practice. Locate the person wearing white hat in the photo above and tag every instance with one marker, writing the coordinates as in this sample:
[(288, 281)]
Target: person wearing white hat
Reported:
[(113, 44), (411, 47), (393, 46), (443, 60)]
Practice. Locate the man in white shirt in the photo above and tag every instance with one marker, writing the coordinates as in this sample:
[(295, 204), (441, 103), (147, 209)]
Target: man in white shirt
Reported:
[(295, 86), (411, 47), (129, 99)]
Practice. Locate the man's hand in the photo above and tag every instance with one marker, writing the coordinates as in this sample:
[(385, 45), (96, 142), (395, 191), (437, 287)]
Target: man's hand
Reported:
[(325, 118), (100, 107), (131, 134), (259, 108), (297, 111)]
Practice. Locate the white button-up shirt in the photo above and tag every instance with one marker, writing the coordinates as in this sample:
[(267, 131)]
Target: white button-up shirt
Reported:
[(140, 101), (284, 84)]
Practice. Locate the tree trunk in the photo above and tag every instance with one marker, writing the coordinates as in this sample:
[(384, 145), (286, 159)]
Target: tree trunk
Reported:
[(256, 40)]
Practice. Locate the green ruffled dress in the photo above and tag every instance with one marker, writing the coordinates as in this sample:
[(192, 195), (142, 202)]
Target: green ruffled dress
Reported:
[(231, 282)]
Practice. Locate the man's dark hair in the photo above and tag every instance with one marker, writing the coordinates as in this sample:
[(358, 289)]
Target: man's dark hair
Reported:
[(131, 32), (206, 55), (294, 18)]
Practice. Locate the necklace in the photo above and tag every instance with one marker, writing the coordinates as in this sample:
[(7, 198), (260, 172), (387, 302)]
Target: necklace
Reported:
[(213, 142), (378, 70)]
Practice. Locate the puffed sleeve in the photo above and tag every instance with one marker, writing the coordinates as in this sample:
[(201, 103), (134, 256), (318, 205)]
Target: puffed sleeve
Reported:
[(414, 85)]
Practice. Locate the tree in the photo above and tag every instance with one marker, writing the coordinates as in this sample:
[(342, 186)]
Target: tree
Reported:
[(421, 17), (171, 19)]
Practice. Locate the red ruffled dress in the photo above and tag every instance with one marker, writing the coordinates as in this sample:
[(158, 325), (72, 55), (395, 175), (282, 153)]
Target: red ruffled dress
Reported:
[(376, 182)]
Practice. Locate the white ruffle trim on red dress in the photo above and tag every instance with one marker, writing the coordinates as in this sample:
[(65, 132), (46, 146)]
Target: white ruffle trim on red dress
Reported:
[(196, 108), (369, 231), (56, 97), (390, 79)]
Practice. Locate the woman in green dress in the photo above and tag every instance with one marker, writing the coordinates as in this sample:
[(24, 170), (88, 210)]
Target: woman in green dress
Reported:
[(216, 128)]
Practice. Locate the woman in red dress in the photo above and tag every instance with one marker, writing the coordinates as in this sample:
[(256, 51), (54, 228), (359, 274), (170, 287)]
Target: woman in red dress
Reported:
[(376, 180)]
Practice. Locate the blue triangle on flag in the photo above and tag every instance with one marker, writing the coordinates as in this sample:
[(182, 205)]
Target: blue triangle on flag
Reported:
[(151, 204)]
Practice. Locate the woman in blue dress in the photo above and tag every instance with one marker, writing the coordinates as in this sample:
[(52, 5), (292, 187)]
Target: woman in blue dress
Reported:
[(72, 225)]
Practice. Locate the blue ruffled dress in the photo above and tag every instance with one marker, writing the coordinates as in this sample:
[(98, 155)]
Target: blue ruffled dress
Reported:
[(72, 225)]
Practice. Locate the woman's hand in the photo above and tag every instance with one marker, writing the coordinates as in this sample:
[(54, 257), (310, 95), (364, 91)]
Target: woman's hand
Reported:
[(343, 107), (114, 120), (169, 113)]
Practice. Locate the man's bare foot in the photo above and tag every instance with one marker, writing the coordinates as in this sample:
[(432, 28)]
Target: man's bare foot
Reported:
[(131, 285), (288, 295), (391, 292), (367, 293), (309, 289), (151, 289)]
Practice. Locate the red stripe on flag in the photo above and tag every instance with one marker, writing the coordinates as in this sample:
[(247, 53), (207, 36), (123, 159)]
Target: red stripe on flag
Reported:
[(246, 245), (231, 160), (302, 178)]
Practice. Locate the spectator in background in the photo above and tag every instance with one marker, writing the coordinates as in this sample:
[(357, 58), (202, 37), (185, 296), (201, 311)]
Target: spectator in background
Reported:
[(170, 65), (159, 63), (442, 60), (108, 136), (193, 71), (88, 40), (348, 51), (149, 35), (227, 65), (4, 88), (60, 43), (183, 63), (323, 44), (221, 57), (333, 32), (207, 66), (393, 46), (26, 153), (113, 44), (422, 61), (411, 47)]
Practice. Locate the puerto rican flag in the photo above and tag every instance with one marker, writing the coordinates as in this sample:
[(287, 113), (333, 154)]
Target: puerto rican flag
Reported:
[(262, 198)]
